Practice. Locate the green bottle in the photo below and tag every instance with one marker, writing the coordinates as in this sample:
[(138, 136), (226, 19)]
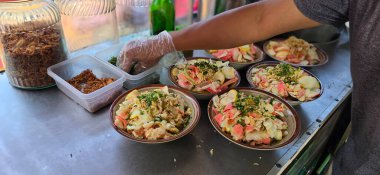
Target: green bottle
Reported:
[(162, 16)]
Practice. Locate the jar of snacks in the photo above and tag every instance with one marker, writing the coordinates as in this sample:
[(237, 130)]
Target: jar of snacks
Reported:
[(31, 40), (88, 22)]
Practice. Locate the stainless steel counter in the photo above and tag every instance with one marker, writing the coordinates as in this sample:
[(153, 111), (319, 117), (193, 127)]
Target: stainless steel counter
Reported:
[(45, 132)]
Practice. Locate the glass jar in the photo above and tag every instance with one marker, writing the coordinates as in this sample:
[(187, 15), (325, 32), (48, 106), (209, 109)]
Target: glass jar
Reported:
[(88, 22), (30, 41), (183, 13), (132, 16)]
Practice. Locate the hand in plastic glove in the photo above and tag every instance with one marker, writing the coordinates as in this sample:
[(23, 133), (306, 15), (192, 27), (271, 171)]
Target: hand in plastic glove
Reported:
[(141, 54)]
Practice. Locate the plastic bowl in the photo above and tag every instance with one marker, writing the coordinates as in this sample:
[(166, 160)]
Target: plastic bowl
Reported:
[(198, 95), (241, 65), (189, 99), (93, 101), (294, 123), (290, 100), (321, 54)]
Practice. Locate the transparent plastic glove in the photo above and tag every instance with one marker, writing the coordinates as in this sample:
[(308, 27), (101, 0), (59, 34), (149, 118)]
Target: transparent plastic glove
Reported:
[(141, 54)]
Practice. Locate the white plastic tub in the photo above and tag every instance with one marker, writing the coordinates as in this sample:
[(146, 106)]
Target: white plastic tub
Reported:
[(93, 101), (149, 76)]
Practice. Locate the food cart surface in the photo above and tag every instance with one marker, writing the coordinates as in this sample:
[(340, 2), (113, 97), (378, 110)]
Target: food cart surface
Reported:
[(45, 132)]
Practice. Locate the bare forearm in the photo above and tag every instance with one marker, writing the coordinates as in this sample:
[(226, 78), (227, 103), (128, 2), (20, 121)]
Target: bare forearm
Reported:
[(251, 23), (222, 31)]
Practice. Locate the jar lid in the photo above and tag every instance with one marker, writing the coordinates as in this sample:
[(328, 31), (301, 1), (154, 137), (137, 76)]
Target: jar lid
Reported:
[(27, 15), (85, 7), (134, 3)]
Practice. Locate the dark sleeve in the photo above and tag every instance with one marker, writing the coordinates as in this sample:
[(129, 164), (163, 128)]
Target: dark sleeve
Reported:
[(333, 12)]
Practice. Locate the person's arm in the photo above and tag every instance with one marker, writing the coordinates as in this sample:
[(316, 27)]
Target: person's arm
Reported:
[(247, 24), (233, 28)]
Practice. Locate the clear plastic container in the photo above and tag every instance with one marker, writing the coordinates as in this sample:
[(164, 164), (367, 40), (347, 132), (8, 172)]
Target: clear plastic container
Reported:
[(31, 40), (149, 76), (93, 101), (88, 22), (166, 62)]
